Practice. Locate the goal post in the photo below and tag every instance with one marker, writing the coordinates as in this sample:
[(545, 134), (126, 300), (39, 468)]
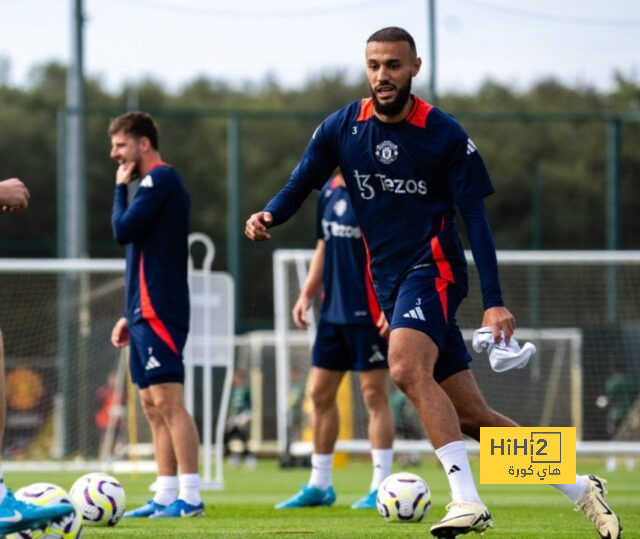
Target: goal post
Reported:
[(580, 308), (56, 317)]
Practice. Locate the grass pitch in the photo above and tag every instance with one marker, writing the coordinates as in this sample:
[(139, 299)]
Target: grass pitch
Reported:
[(245, 507)]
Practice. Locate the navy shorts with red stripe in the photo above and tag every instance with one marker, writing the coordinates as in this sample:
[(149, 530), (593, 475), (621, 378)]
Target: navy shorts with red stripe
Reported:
[(429, 304), (156, 353)]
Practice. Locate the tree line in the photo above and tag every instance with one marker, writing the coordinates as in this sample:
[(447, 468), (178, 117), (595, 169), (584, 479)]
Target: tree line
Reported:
[(547, 148)]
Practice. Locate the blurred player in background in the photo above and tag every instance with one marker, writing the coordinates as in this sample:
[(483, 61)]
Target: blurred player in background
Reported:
[(408, 167), (155, 228), (14, 514), (347, 340), (239, 421)]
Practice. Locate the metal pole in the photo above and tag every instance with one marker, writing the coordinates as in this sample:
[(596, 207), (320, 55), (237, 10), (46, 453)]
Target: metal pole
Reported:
[(431, 16), (75, 245), (75, 218), (233, 212)]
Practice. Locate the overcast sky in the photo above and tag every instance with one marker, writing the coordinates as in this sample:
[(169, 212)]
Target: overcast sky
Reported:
[(173, 41)]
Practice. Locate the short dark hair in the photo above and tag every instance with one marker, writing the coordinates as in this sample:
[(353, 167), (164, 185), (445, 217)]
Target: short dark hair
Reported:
[(138, 125), (393, 33)]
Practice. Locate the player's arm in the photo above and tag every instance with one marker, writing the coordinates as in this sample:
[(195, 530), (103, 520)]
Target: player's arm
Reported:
[(14, 195), (310, 287), (130, 221), (316, 165), (496, 315), (470, 183)]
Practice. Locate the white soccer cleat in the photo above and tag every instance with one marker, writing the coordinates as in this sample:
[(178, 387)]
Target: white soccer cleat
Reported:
[(595, 508), (461, 518)]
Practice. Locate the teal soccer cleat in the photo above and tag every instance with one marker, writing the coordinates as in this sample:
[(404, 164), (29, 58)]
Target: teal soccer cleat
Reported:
[(309, 496), (145, 510), (16, 515), (178, 509), (367, 502)]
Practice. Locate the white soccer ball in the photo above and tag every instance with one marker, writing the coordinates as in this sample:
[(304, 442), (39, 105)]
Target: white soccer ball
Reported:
[(100, 497), (47, 495), (403, 497)]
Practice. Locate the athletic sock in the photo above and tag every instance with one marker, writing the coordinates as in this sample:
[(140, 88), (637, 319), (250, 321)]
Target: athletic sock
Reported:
[(166, 489), (321, 471), (190, 488), (382, 460), (3, 489), (573, 492), (455, 461)]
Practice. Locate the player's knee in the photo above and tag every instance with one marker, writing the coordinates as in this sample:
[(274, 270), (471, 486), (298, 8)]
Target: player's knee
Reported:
[(321, 398), (374, 397)]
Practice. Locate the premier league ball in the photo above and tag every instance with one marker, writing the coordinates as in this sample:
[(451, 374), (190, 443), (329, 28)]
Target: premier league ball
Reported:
[(403, 497), (100, 497), (46, 495)]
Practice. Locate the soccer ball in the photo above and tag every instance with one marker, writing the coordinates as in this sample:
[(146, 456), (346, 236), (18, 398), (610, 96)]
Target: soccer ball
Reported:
[(403, 497), (44, 495), (100, 497)]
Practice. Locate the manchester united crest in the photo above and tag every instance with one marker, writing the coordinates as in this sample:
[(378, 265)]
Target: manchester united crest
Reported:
[(386, 152)]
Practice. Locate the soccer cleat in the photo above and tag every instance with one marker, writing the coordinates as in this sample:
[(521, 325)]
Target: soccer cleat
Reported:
[(16, 515), (461, 518), (145, 510), (179, 508), (367, 502), (596, 509), (309, 496)]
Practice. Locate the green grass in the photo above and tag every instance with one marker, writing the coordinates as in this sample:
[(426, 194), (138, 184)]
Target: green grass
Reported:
[(245, 507)]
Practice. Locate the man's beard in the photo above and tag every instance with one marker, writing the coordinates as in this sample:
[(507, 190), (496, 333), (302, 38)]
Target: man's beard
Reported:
[(395, 107)]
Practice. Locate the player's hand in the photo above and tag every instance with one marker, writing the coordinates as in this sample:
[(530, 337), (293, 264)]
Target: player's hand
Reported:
[(299, 312), (256, 226), (383, 325), (499, 319), (120, 333), (14, 195), (124, 174)]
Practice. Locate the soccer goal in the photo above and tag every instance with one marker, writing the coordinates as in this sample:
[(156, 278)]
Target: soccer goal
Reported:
[(67, 390), (580, 308)]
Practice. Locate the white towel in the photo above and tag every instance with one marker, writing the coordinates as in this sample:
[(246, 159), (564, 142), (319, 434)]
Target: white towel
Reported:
[(502, 356)]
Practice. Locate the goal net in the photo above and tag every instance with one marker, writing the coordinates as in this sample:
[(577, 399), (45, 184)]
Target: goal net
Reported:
[(580, 309), (68, 392)]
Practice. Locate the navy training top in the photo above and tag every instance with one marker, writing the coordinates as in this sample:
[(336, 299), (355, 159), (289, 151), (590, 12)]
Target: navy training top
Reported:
[(155, 229), (405, 180), (347, 290)]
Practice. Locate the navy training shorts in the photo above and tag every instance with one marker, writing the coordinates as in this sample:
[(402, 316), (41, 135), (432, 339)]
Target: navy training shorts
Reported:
[(156, 353), (429, 304), (349, 347)]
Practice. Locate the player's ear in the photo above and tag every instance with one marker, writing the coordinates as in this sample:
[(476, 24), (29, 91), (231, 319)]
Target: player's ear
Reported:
[(145, 144), (416, 66)]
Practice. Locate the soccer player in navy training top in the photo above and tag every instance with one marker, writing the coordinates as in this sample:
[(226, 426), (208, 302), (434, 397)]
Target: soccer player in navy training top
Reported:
[(16, 515), (347, 339), (155, 228), (408, 166)]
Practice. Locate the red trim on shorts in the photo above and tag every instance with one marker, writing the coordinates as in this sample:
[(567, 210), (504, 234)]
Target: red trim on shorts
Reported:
[(419, 112), (445, 271), (366, 109), (162, 332), (149, 313)]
